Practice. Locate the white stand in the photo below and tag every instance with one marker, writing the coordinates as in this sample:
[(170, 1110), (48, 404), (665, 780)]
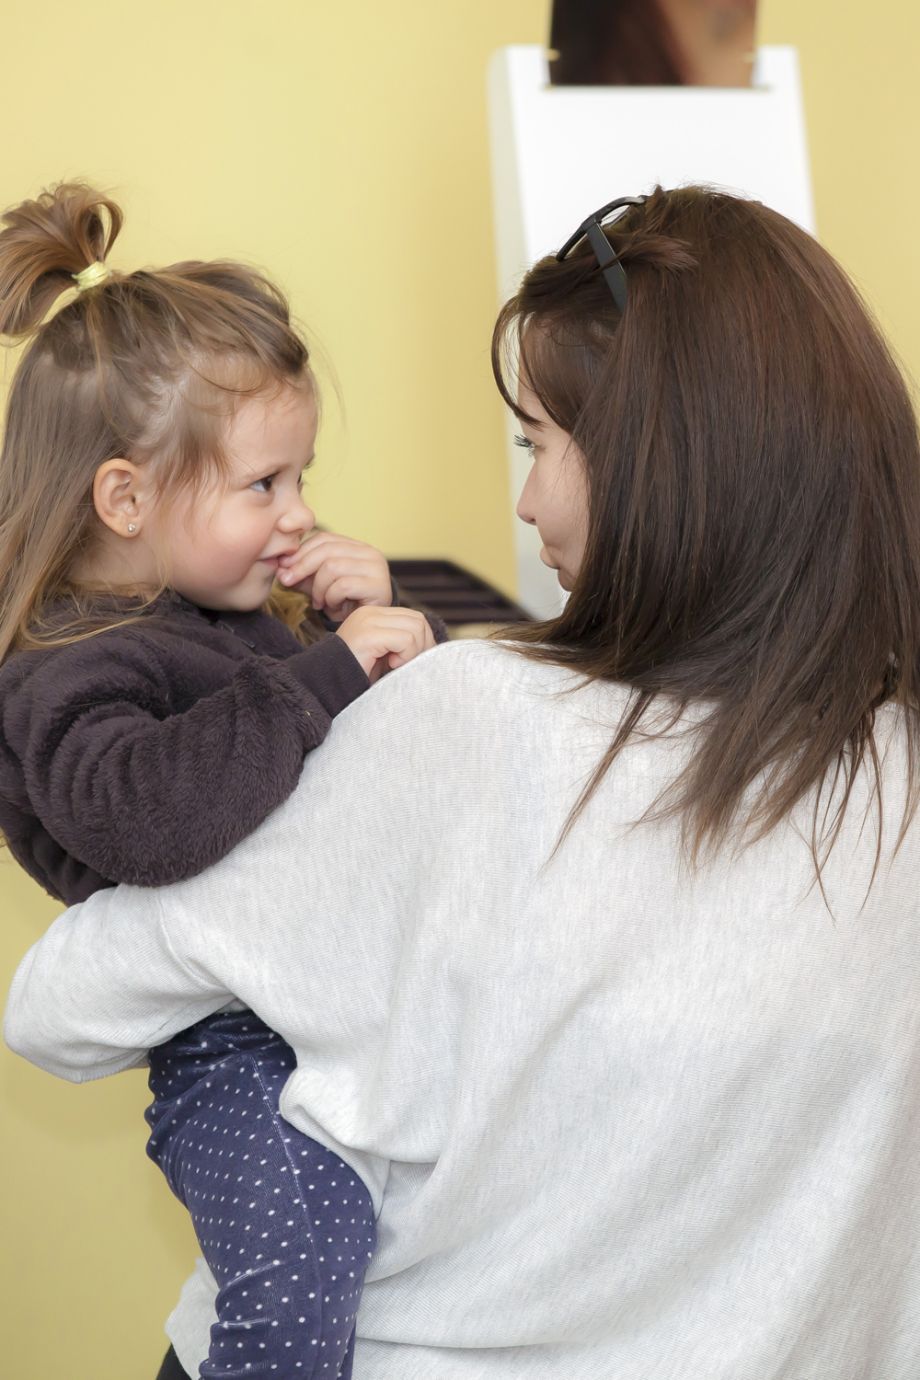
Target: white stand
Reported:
[(560, 152)]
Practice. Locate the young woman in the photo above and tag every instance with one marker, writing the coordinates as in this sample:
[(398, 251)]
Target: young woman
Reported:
[(615, 1008)]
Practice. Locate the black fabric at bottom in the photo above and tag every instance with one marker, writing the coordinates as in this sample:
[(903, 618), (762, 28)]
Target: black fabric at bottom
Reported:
[(170, 1369)]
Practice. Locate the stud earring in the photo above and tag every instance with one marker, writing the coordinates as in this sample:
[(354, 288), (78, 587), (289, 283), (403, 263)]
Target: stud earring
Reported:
[(132, 526)]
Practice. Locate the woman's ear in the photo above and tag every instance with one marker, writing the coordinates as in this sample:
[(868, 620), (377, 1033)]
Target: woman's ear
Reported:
[(120, 496)]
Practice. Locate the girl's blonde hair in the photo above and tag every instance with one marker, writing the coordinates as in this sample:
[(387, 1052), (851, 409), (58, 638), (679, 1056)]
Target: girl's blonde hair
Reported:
[(148, 366)]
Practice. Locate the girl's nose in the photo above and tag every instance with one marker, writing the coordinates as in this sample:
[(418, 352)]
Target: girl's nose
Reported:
[(298, 517)]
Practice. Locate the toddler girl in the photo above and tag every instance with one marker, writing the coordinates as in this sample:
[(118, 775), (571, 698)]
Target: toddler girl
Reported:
[(158, 694)]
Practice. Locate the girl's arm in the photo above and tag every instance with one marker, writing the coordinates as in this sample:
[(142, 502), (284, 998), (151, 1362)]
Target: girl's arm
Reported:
[(140, 793)]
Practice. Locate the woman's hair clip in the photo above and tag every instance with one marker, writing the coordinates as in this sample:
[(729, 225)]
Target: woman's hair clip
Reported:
[(592, 230)]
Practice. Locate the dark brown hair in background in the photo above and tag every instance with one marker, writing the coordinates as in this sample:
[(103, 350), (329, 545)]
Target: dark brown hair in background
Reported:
[(753, 471), (652, 42)]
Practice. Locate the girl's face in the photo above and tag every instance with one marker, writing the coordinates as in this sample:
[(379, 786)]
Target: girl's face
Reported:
[(220, 546), (555, 497)]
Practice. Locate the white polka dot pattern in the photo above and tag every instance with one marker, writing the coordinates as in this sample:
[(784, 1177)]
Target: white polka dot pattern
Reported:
[(286, 1227)]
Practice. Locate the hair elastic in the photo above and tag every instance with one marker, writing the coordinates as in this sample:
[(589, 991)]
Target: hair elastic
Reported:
[(92, 276)]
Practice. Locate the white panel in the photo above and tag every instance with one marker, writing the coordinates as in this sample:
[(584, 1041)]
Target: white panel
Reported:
[(560, 152)]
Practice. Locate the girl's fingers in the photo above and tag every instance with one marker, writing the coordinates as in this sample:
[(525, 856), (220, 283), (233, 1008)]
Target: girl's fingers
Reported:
[(419, 639), (384, 638), (318, 577), (347, 575), (339, 612), (305, 565), (317, 542), (310, 555), (354, 588), (323, 546), (352, 576)]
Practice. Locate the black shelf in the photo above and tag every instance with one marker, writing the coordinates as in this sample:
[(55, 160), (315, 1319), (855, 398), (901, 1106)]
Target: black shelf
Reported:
[(454, 594)]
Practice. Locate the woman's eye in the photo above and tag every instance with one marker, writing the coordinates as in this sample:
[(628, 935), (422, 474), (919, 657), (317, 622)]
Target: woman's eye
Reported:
[(523, 441), (263, 486)]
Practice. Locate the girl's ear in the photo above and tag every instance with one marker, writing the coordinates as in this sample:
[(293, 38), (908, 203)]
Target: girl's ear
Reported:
[(120, 496)]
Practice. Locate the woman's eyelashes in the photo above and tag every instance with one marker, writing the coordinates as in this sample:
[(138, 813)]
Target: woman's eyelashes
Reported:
[(524, 441)]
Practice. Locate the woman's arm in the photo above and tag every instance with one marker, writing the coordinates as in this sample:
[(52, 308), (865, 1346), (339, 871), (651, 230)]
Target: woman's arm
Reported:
[(304, 921), (102, 987)]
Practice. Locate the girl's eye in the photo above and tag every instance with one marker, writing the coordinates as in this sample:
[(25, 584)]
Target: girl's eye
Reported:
[(263, 486), (523, 441)]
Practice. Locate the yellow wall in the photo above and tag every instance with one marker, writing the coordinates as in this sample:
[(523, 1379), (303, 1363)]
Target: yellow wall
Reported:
[(343, 145)]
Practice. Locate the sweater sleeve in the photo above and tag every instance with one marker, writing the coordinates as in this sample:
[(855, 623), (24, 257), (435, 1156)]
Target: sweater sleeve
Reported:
[(143, 794), (306, 921)]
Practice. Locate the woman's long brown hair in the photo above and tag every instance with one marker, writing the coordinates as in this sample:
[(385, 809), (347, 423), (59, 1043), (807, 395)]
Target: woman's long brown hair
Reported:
[(753, 472), (149, 366)]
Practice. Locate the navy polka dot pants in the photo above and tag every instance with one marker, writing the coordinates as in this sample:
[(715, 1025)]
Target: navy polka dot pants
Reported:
[(286, 1227)]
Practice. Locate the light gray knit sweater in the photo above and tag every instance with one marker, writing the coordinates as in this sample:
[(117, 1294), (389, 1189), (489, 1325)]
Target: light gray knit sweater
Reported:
[(621, 1121)]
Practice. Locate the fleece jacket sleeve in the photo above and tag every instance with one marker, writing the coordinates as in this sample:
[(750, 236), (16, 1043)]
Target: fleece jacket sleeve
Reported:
[(144, 794)]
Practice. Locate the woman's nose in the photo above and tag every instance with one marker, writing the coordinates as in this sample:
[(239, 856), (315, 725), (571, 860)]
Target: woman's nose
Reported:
[(525, 504)]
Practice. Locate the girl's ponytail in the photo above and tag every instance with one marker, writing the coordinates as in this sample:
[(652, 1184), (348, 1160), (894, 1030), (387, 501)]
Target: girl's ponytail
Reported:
[(44, 244), (149, 366)]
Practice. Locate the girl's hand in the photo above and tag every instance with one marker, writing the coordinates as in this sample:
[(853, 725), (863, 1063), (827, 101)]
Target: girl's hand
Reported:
[(383, 638), (338, 574)]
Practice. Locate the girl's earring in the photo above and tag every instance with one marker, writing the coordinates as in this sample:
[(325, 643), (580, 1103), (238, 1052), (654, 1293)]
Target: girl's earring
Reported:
[(132, 527)]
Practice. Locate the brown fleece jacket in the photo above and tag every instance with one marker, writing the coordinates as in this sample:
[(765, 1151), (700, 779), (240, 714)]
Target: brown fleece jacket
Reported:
[(143, 754)]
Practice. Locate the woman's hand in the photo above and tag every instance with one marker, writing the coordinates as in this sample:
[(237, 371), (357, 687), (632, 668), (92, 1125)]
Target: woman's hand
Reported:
[(337, 574), (383, 638)]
